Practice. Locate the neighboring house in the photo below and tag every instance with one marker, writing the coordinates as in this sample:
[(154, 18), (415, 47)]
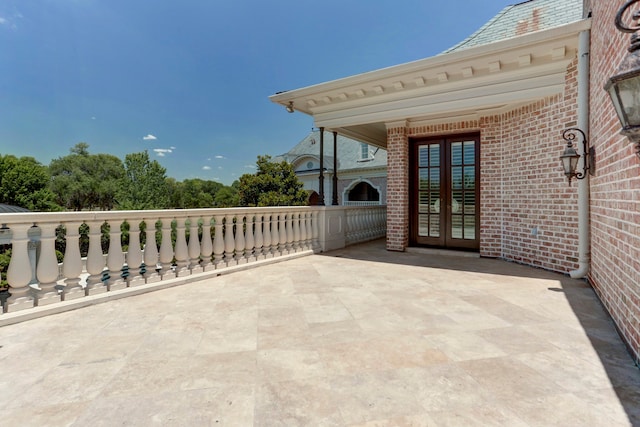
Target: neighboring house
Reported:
[(474, 137), (362, 169)]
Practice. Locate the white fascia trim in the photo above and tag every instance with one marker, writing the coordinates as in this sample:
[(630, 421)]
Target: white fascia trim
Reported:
[(462, 100), (544, 36)]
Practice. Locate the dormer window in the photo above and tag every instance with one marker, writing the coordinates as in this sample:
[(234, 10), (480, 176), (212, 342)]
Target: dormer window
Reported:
[(365, 153)]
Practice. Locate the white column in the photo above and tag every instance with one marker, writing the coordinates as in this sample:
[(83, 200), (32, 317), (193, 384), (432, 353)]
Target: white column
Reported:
[(115, 257), (134, 255), (314, 225), (206, 245), (218, 241), (259, 239), (194, 246), (229, 241), (72, 264), (181, 250), (95, 260), (19, 271), (166, 251), (47, 269), (150, 252)]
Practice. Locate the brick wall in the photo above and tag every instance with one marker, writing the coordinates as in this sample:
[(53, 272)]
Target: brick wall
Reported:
[(615, 189), (397, 187), (522, 187)]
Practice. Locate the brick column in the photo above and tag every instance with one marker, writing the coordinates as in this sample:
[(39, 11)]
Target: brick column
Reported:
[(397, 186)]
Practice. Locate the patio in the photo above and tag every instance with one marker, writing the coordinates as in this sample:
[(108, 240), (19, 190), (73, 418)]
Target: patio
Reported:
[(357, 336)]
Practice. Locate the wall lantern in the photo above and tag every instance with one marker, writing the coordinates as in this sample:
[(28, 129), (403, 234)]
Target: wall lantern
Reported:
[(624, 86), (570, 157)]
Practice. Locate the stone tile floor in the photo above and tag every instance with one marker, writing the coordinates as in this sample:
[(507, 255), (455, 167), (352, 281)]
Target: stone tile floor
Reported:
[(357, 337)]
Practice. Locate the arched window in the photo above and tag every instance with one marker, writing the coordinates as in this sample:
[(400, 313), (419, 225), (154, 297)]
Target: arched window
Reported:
[(363, 192)]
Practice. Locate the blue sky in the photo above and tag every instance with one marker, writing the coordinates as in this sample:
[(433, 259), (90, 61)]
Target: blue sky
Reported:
[(189, 81)]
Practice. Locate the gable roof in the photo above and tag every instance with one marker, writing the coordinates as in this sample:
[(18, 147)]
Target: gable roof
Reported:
[(348, 152), (523, 18)]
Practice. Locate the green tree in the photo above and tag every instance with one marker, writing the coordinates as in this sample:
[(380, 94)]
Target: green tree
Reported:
[(226, 197), (84, 181), (144, 185), (24, 182), (273, 184)]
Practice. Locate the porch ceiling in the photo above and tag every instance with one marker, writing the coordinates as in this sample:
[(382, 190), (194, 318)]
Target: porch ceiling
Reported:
[(461, 85)]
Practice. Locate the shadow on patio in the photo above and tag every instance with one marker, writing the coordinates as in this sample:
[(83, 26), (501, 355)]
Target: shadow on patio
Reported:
[(359, 336)]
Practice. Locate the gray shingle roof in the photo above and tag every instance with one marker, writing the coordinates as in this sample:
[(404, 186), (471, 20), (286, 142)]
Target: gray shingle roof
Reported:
[(523, 18), (4, 208), (348, 152)]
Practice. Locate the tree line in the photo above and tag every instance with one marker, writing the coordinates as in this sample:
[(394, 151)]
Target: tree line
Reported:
[(85, 181)]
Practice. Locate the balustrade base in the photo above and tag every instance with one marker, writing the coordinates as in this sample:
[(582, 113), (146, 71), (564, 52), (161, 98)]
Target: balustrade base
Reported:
[(48, 298), (137, 281), (116, 285), (152, 278), (20, 304), (71, 292), (96, 289), (196, 269), (167, 275), (208, 267)]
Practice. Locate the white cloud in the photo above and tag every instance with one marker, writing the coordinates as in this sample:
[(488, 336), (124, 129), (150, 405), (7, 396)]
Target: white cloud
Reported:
[(208, 159), (206, 168), (249, 166), (173, 148), (162, 152), (220, 157), (3, 21), (149, 137)]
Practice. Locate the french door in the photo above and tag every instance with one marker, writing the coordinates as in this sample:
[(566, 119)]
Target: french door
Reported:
[(445, 190)]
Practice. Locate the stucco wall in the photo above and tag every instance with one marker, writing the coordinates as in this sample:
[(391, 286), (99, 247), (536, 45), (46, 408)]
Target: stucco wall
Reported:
[(615, 188)]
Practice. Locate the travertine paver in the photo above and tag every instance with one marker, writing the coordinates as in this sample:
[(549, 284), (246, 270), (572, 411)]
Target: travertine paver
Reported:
[(357, 337)]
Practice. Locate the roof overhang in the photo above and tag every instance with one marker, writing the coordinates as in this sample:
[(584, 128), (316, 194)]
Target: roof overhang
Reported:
[(460, 85)]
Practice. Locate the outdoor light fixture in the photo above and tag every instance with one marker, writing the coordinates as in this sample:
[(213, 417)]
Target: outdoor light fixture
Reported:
[(624, 86), (570, 157), (289, 107)]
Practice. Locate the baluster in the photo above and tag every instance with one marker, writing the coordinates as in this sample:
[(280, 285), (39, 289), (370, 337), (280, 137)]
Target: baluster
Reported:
[(115, 257), (47, 269), (259, 239), (181, 250), (95, 260), (290, 233), (282, 238), (134, 255), (206, 246), (275, 236), (240, 241), (194, 246), (299, 231), (266, 236), (249, 240), (218, 241), (229, 241), (151, 252), (72, 264), (19, 271), (166, 251), (303, 231), (316, 231), (295, 231), (309, 241)]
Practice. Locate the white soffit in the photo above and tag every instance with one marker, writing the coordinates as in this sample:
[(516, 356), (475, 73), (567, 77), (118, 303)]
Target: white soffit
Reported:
[(507, 72)]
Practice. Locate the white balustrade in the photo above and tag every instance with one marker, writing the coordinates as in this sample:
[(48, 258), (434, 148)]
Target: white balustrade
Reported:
[(72, 264), (240, 235), (134, 256), (151, 255), (194, 246), (206, 246)]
